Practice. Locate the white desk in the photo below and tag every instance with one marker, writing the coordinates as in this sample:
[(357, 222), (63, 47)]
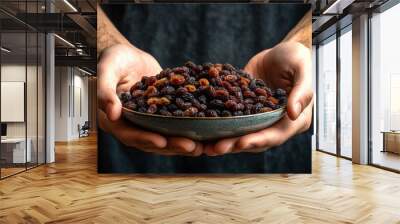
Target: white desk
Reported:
[(17, 147)]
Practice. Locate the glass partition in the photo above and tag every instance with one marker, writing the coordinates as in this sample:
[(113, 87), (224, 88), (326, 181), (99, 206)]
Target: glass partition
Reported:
[(327, 96), (346, 92), (385, 89), (22, 91)]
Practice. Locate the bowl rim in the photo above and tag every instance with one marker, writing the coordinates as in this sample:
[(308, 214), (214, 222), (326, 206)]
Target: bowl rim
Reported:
[(204, 118)]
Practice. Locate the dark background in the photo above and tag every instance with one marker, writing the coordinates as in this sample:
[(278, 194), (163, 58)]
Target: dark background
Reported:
[(217, 33)]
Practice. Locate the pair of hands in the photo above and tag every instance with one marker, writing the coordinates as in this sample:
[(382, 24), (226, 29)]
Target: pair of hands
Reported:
[(287, 66)]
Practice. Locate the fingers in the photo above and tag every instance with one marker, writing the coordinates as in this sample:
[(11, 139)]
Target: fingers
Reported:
[(223, 146), (106, 84), (301, 94), (181, 145), (299, 98)]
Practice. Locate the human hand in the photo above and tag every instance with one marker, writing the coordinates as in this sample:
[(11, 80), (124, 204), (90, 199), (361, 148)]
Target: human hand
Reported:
[(286, 66), (119, 67)]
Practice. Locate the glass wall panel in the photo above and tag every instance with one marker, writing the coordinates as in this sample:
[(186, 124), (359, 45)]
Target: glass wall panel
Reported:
[(327, 96), (385, 89), (346, 93), (32, 85), (14, 145)]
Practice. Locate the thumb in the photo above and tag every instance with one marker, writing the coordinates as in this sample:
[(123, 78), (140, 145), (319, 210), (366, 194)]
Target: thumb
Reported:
[(106, 92), (299, 98)]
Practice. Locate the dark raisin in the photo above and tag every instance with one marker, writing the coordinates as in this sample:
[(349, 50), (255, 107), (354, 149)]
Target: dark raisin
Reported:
[(165, 113), (202, 99), (216, 104), (280, 92), (211, 113), (187, 97), (130, 105), (172, 107), (238, 113), (226, 113), (125, 96), (231, 105), (177, 113), (168, 90)]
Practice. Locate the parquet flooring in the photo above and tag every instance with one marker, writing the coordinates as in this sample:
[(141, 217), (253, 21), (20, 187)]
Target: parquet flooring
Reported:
[(70, 191)]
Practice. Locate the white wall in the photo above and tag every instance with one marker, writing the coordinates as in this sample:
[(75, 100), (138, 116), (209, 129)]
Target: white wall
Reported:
[(71, 93)]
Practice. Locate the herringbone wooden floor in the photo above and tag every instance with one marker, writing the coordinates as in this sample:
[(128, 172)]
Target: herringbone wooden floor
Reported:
[(70, 191)]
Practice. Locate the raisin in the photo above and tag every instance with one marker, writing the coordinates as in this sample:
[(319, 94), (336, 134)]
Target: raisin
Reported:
[(152, 109), (221, 94), (172, 107), (226, 113), (180, 91), (151, 81), (131, 105), (213, 72), (265, 109), (211, 113), (261, 92), (177, 80), (177, 113), (151, 91), (209, 90), (153, 100), (165, 113), (137, 93), (125, 96), (161, 82), (238, 113), (231, 105), (204, 82), (249, 94), (230, 78), (280, 92), (187, 97), (190, 112), (168, 90), (137, 86), (228, 67), (202, 99), (217, 104)]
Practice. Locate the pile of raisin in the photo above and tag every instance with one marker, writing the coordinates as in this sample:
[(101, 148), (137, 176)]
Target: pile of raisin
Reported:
[(208, 90)]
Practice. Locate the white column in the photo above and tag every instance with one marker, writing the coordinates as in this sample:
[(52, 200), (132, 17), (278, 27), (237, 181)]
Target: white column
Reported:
[(360, 90), (50, 92)]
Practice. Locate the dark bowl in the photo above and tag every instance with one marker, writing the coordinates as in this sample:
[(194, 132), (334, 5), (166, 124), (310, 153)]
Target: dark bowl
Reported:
[(204, 128)]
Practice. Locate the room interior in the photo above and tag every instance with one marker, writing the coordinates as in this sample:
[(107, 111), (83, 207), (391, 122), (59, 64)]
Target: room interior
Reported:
[(48, 125)]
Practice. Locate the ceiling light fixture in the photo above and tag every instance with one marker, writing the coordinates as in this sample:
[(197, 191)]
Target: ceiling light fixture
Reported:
[(84, 71), (337, 7), (5, 50), (65, 41), (70, 5)]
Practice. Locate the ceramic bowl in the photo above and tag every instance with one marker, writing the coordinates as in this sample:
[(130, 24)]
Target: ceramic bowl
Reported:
[(204, 128)]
